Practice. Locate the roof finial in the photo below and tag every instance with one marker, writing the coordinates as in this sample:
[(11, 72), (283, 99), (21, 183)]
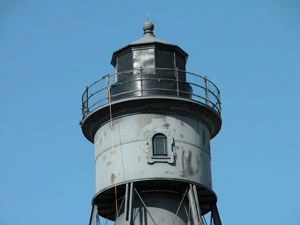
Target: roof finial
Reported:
[(148, 28), (148, 17)]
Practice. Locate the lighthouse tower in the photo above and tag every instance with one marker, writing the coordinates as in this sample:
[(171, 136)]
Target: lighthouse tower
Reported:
[(151, 123)]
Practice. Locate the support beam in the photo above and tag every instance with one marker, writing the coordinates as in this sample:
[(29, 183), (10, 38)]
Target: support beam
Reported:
[(215, 215), (94, 215), (195, 207), (129, 198), (145, 207)]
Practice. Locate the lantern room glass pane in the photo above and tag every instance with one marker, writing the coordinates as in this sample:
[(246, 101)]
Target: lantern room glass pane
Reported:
[(159, 145)]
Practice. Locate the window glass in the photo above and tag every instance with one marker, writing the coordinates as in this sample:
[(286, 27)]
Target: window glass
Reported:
[(159, 145)]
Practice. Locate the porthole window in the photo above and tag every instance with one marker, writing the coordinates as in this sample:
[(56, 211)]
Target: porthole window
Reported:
[(159, 145)]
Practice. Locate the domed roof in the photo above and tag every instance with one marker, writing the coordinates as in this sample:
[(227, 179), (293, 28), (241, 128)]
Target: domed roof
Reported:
[(149, 36)]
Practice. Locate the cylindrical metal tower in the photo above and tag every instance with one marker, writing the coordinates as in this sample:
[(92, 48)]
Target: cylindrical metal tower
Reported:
[(151, 123)]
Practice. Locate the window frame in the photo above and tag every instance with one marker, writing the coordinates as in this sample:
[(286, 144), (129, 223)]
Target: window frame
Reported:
[(169, 156)]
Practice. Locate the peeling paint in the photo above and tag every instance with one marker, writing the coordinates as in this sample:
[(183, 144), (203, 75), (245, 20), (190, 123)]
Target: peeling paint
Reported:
[(139, 158), (113, 178), (166, 125), (199, 163), (168, 172), (203, 138), (187, 164)]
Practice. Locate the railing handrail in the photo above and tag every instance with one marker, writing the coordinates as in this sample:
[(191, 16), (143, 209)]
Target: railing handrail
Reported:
[(210, 98)]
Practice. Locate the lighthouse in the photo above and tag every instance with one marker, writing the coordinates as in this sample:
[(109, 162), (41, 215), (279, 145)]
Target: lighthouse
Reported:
[(151, 123)]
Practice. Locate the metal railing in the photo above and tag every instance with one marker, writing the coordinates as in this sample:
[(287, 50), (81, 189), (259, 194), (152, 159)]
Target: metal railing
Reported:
[(201, 89)]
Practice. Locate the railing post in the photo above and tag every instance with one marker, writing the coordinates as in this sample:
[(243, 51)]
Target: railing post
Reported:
[(177, 81), (219, 102), (87, 100), (115, 77), (206, 90), (107, 87), (141, 80)]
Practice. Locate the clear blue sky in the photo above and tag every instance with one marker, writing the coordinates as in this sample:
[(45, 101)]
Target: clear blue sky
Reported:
[(50, 50)]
